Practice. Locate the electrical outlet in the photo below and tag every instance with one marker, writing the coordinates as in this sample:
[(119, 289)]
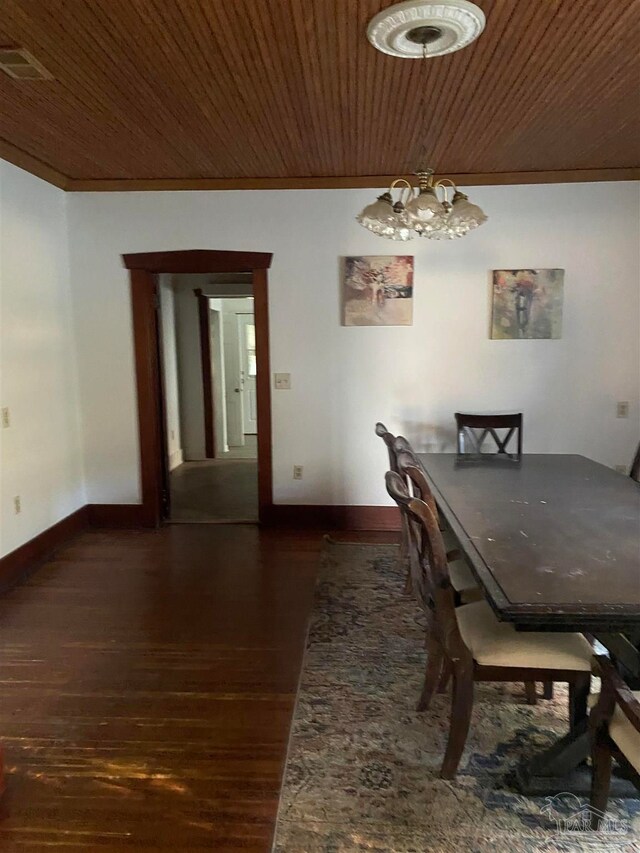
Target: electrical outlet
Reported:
[(621, 469), (6, 420), (282, 381), (622, 409), (17, 507), (297, 472)]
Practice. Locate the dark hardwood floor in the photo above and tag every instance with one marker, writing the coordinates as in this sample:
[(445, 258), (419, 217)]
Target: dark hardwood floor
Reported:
[(147, 686)]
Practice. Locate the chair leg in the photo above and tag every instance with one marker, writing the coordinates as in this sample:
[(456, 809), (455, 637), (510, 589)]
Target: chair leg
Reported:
[(404, 557), (578, 697), (547, 692), (432, 675), (600, 776), (461, 706), (445, 677), (530, 692)]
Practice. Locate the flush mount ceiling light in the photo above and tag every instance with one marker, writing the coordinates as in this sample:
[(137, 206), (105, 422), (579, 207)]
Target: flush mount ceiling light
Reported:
[(436, 208)]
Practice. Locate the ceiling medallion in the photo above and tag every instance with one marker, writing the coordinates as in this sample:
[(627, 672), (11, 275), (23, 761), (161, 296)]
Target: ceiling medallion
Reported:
[(453, 24), (435, 208)]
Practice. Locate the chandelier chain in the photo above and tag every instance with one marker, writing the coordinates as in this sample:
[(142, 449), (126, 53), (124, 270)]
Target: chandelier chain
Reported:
[(423, 77)]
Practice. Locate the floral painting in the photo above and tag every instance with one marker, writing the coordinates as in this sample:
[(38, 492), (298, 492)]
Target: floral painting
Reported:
[(527, 304), (378, 290)]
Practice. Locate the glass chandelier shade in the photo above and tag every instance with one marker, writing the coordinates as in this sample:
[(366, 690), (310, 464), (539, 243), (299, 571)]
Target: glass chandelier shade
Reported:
[(425, 210), (465, 215), (386, 218)]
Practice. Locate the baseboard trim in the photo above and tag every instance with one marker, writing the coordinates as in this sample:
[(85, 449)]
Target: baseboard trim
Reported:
[(116, 515), (19, 563), (333, 517)]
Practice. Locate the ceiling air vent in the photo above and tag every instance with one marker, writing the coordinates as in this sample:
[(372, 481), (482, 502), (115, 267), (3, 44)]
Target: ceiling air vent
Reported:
[(20, 64)]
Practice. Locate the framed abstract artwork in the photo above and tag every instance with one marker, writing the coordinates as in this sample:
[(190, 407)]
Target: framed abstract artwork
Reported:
[(377, 290), (527, 304)]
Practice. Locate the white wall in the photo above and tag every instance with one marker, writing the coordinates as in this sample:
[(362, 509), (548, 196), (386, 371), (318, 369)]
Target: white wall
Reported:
[(345, 379), (40, 453), (170, 372)]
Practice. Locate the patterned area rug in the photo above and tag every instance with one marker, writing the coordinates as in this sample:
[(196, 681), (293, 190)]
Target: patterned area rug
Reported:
[(362, 770)]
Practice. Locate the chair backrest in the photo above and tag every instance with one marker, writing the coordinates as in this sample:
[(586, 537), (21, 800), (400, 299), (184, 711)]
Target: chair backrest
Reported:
[(634, 473), (389, 440), (472, 430), (430, 573), (422, 582), (402, 444), (411, 471)]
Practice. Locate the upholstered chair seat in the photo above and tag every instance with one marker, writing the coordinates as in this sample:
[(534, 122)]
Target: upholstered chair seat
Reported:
[(494, 643), (625, 736), (622, 732), (461, 577)]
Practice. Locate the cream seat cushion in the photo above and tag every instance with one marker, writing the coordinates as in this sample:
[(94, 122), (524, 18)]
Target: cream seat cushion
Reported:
[(494, 643), (460, 576), (625, 736), (623, 733)]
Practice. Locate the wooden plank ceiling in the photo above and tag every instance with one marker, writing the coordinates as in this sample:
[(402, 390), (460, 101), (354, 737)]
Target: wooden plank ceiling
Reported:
[(165, 91)]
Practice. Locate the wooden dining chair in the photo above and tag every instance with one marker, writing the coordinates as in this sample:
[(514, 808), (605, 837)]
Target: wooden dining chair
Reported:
[(389, 440), (406, 457), (465, 586), (396, 445), (470, 640), (634, 471), (473, 430), (614, 726), (462, 579)]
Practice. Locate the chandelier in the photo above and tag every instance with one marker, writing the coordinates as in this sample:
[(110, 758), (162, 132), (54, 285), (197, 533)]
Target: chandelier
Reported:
[(426, 211), (435, 209)]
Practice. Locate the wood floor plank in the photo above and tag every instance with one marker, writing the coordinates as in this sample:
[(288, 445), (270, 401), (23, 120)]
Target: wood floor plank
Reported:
[(147, 684)]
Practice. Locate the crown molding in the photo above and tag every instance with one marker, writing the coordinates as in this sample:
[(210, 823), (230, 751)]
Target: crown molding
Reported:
[(30, 164), (36, 167), (560, 176)]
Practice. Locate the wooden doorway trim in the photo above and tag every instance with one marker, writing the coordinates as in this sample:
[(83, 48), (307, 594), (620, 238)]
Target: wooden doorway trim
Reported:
[(207, 374), (144, 269)]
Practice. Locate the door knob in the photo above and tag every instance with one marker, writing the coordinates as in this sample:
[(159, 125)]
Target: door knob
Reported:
[(237, 390)]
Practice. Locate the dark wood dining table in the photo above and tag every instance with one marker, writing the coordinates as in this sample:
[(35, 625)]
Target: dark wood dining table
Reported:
[(554, 540)]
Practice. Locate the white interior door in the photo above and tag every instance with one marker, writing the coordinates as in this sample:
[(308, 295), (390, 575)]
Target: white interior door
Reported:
[(247, 342), (233, 380)]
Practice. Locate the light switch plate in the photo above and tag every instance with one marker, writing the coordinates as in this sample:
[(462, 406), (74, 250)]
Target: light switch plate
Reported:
[(282, 381), (622, 409)]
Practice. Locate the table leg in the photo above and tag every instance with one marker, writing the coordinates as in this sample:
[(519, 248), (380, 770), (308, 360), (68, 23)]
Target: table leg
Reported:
[(578, 697), (563, 768)]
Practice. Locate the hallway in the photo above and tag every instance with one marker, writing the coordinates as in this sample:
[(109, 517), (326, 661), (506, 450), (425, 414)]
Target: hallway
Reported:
[(149, 680), (215, 490)]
